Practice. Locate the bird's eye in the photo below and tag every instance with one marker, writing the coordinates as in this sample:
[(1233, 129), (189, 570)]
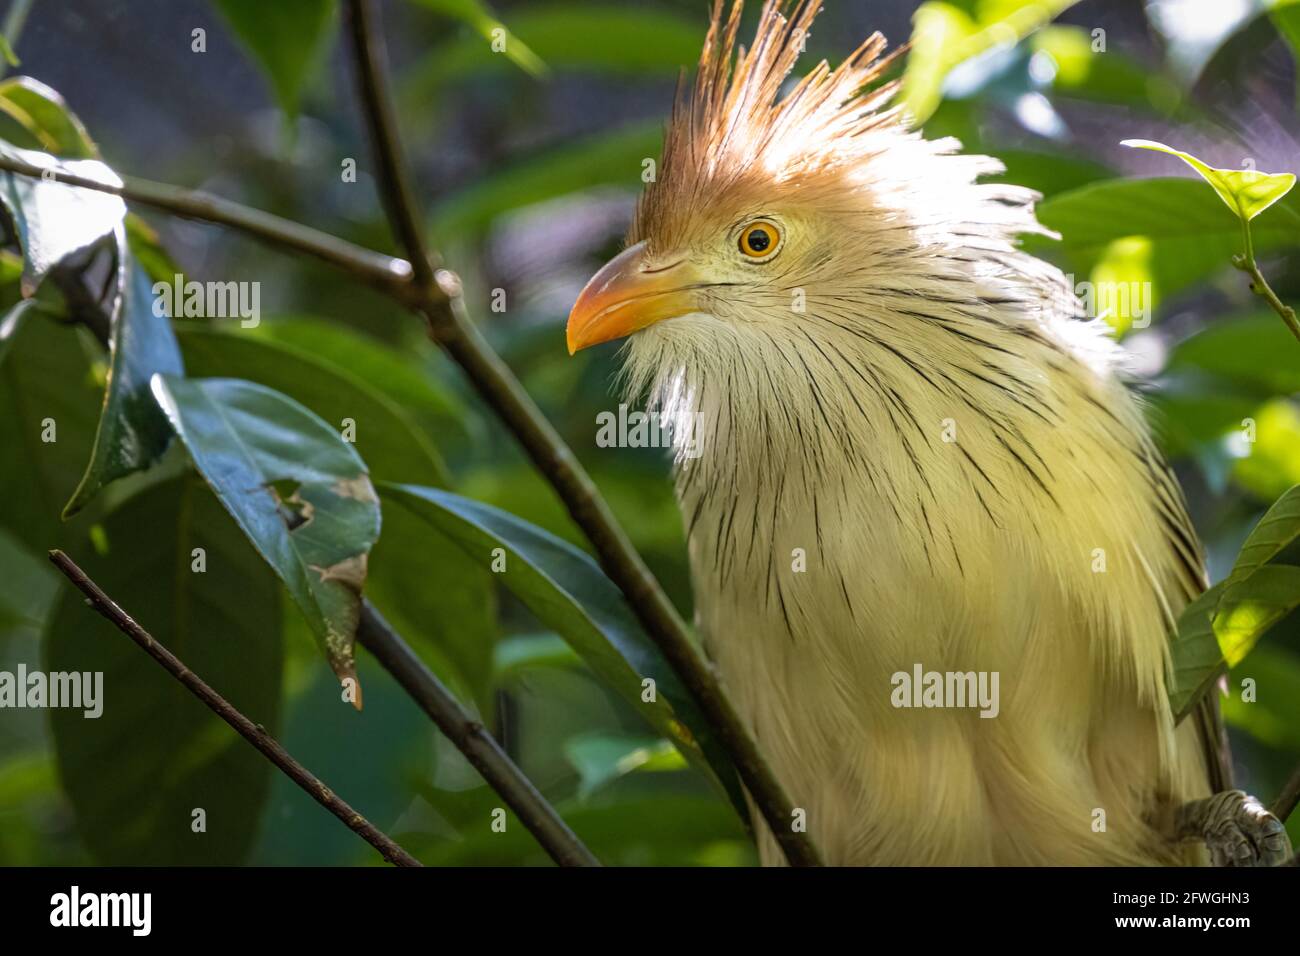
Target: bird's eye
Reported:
[(760, 240)]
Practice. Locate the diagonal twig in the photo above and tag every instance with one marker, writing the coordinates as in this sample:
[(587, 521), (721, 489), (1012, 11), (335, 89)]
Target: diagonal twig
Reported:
[(251, 732), (472, 739)]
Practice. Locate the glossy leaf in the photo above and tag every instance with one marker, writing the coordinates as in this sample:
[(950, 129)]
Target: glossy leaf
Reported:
[(297, 490), (392, 445), (1247, 192), (568, 592), (136, 773), (48, 389), (45, 117), (52, 221), (288, 38), (132, 432)]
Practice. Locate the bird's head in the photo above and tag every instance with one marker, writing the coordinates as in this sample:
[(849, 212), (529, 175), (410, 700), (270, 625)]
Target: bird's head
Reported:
[(756, 191), (803, 230)]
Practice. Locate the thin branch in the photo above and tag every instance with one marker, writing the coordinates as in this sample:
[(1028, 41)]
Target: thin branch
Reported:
[(1259, 285), (495, 383), (1286, 800), (376, 269), (473, 740), (251, 732), (371, 59)]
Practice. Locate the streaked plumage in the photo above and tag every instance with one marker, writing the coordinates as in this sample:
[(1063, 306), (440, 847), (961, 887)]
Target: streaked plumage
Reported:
[(898, 313)]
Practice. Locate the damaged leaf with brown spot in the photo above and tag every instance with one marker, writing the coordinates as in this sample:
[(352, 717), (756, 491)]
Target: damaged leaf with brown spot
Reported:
[(300, 493)]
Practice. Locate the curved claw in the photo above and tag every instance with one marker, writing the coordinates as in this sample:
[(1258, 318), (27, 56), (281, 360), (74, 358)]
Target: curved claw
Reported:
[(1237, 830)]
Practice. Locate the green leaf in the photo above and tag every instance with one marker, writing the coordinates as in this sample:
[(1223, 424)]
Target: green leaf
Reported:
[(1191, 234), (1194, 650), (1271, 463), (136, 773), (12, 320), (570, 36), (48, 389), (520, 653), (453, 625), (610, 158), (288, 38), (44, 116), (132, 433), (392, 445), (495, 34), (1249, 607), (52, 221), (660, 830), (1249, 354), (567, 591), (297, 490), (1247, 192), (945, 34), (7, 52), (1277, 531), (397, 372), (375, 764), (602, 758), (1273, 717), (27, 589)]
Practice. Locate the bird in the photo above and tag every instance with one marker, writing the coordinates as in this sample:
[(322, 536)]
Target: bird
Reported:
[(911, 457)]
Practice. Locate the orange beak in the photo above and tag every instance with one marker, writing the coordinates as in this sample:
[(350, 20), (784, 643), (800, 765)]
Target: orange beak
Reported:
[(625, 296)]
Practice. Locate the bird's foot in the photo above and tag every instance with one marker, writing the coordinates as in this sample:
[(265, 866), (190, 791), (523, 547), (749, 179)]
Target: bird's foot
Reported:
[(1236, 828)]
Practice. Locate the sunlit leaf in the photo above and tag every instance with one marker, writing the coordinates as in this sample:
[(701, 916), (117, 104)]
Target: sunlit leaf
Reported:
[(299, 492), (1250, 606), (43, 115), (1123, 286), (1247, 192)]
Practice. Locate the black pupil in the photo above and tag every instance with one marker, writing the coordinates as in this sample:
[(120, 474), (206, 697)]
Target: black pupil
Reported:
[(759, 240)]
